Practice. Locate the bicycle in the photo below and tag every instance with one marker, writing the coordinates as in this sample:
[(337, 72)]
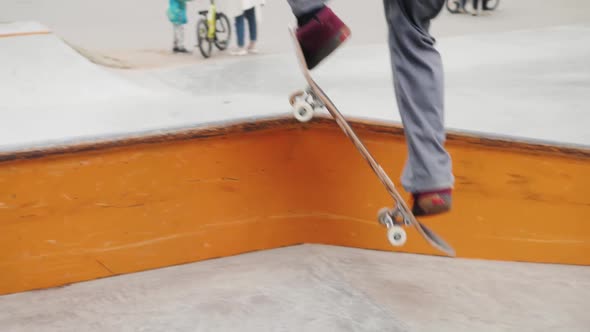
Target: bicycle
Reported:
[(455, 6), (211, 28)]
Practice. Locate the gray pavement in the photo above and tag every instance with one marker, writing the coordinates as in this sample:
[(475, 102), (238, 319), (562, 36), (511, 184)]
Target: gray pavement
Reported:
[(316, 288)]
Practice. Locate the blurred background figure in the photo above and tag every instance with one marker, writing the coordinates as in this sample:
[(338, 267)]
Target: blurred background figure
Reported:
[(177, 16), (242, 11), (476, 8)]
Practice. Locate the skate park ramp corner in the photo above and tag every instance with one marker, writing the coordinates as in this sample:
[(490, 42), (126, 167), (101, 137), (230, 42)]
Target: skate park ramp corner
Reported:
[(39, 68), (101, 176)]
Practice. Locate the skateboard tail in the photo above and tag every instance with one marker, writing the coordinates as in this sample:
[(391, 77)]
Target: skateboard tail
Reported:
[(437, 241)]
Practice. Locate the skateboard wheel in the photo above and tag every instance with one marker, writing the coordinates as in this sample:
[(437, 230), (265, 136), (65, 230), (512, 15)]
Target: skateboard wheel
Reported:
[(396, 236), (302, 111)]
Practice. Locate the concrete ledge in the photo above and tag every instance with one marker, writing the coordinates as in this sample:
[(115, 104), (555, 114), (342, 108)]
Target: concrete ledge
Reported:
[(77, 213), (15, 29)]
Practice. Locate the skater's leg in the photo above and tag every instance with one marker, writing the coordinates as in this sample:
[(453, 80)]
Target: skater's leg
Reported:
[(418, 81), (319, 31), (302, 7)]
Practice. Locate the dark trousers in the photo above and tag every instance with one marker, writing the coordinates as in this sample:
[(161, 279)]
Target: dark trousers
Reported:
[(250, 16)]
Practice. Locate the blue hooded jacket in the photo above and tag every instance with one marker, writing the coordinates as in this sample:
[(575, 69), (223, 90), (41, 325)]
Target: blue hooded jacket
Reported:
[(177, 11)]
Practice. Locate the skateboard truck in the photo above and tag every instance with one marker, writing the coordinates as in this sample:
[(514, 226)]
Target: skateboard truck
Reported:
[(394, 219)]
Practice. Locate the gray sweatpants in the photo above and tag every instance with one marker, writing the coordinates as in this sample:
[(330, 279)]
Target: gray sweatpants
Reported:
[(419, 88)]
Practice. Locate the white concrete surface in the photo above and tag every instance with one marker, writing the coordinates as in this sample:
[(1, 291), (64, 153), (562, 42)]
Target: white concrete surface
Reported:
[(42, 71), (316, 288), (531, 84), (22, 27), (51, 95)]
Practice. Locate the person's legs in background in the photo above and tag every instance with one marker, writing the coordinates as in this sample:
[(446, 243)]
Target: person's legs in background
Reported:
[(419, 86), (178, 39), (239, 24), (250, 15), (476, 8), (176, 13), (462, 9)]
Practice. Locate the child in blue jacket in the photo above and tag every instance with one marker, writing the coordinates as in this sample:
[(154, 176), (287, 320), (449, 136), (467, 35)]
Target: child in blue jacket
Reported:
[(177, 15)]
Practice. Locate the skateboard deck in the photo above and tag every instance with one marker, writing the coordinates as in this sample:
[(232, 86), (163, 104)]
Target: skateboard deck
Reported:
[(304, 104)]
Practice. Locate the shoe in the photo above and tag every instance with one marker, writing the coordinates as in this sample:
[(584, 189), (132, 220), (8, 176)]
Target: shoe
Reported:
[(320, 35), (431, 203), (239, 51), (179, 50), (252, 48)]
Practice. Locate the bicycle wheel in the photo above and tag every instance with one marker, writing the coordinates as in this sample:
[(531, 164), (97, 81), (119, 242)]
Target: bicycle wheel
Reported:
[(453, 6), (222, 31), (202, 41)]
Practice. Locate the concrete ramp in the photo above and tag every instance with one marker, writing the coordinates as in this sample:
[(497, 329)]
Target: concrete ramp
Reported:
[(316, 288), (40, 70), (53, 96)]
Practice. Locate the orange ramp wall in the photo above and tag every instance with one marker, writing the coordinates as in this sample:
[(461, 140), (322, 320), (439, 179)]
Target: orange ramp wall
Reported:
[(78, 213)]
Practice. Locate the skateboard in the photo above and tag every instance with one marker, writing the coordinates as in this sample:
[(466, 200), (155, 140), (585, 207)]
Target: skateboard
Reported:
[(304, 104)]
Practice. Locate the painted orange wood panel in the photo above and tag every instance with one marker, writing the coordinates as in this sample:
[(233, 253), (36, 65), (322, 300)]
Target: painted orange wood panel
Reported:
[(81, 216), (508, 205), (90, 214)]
